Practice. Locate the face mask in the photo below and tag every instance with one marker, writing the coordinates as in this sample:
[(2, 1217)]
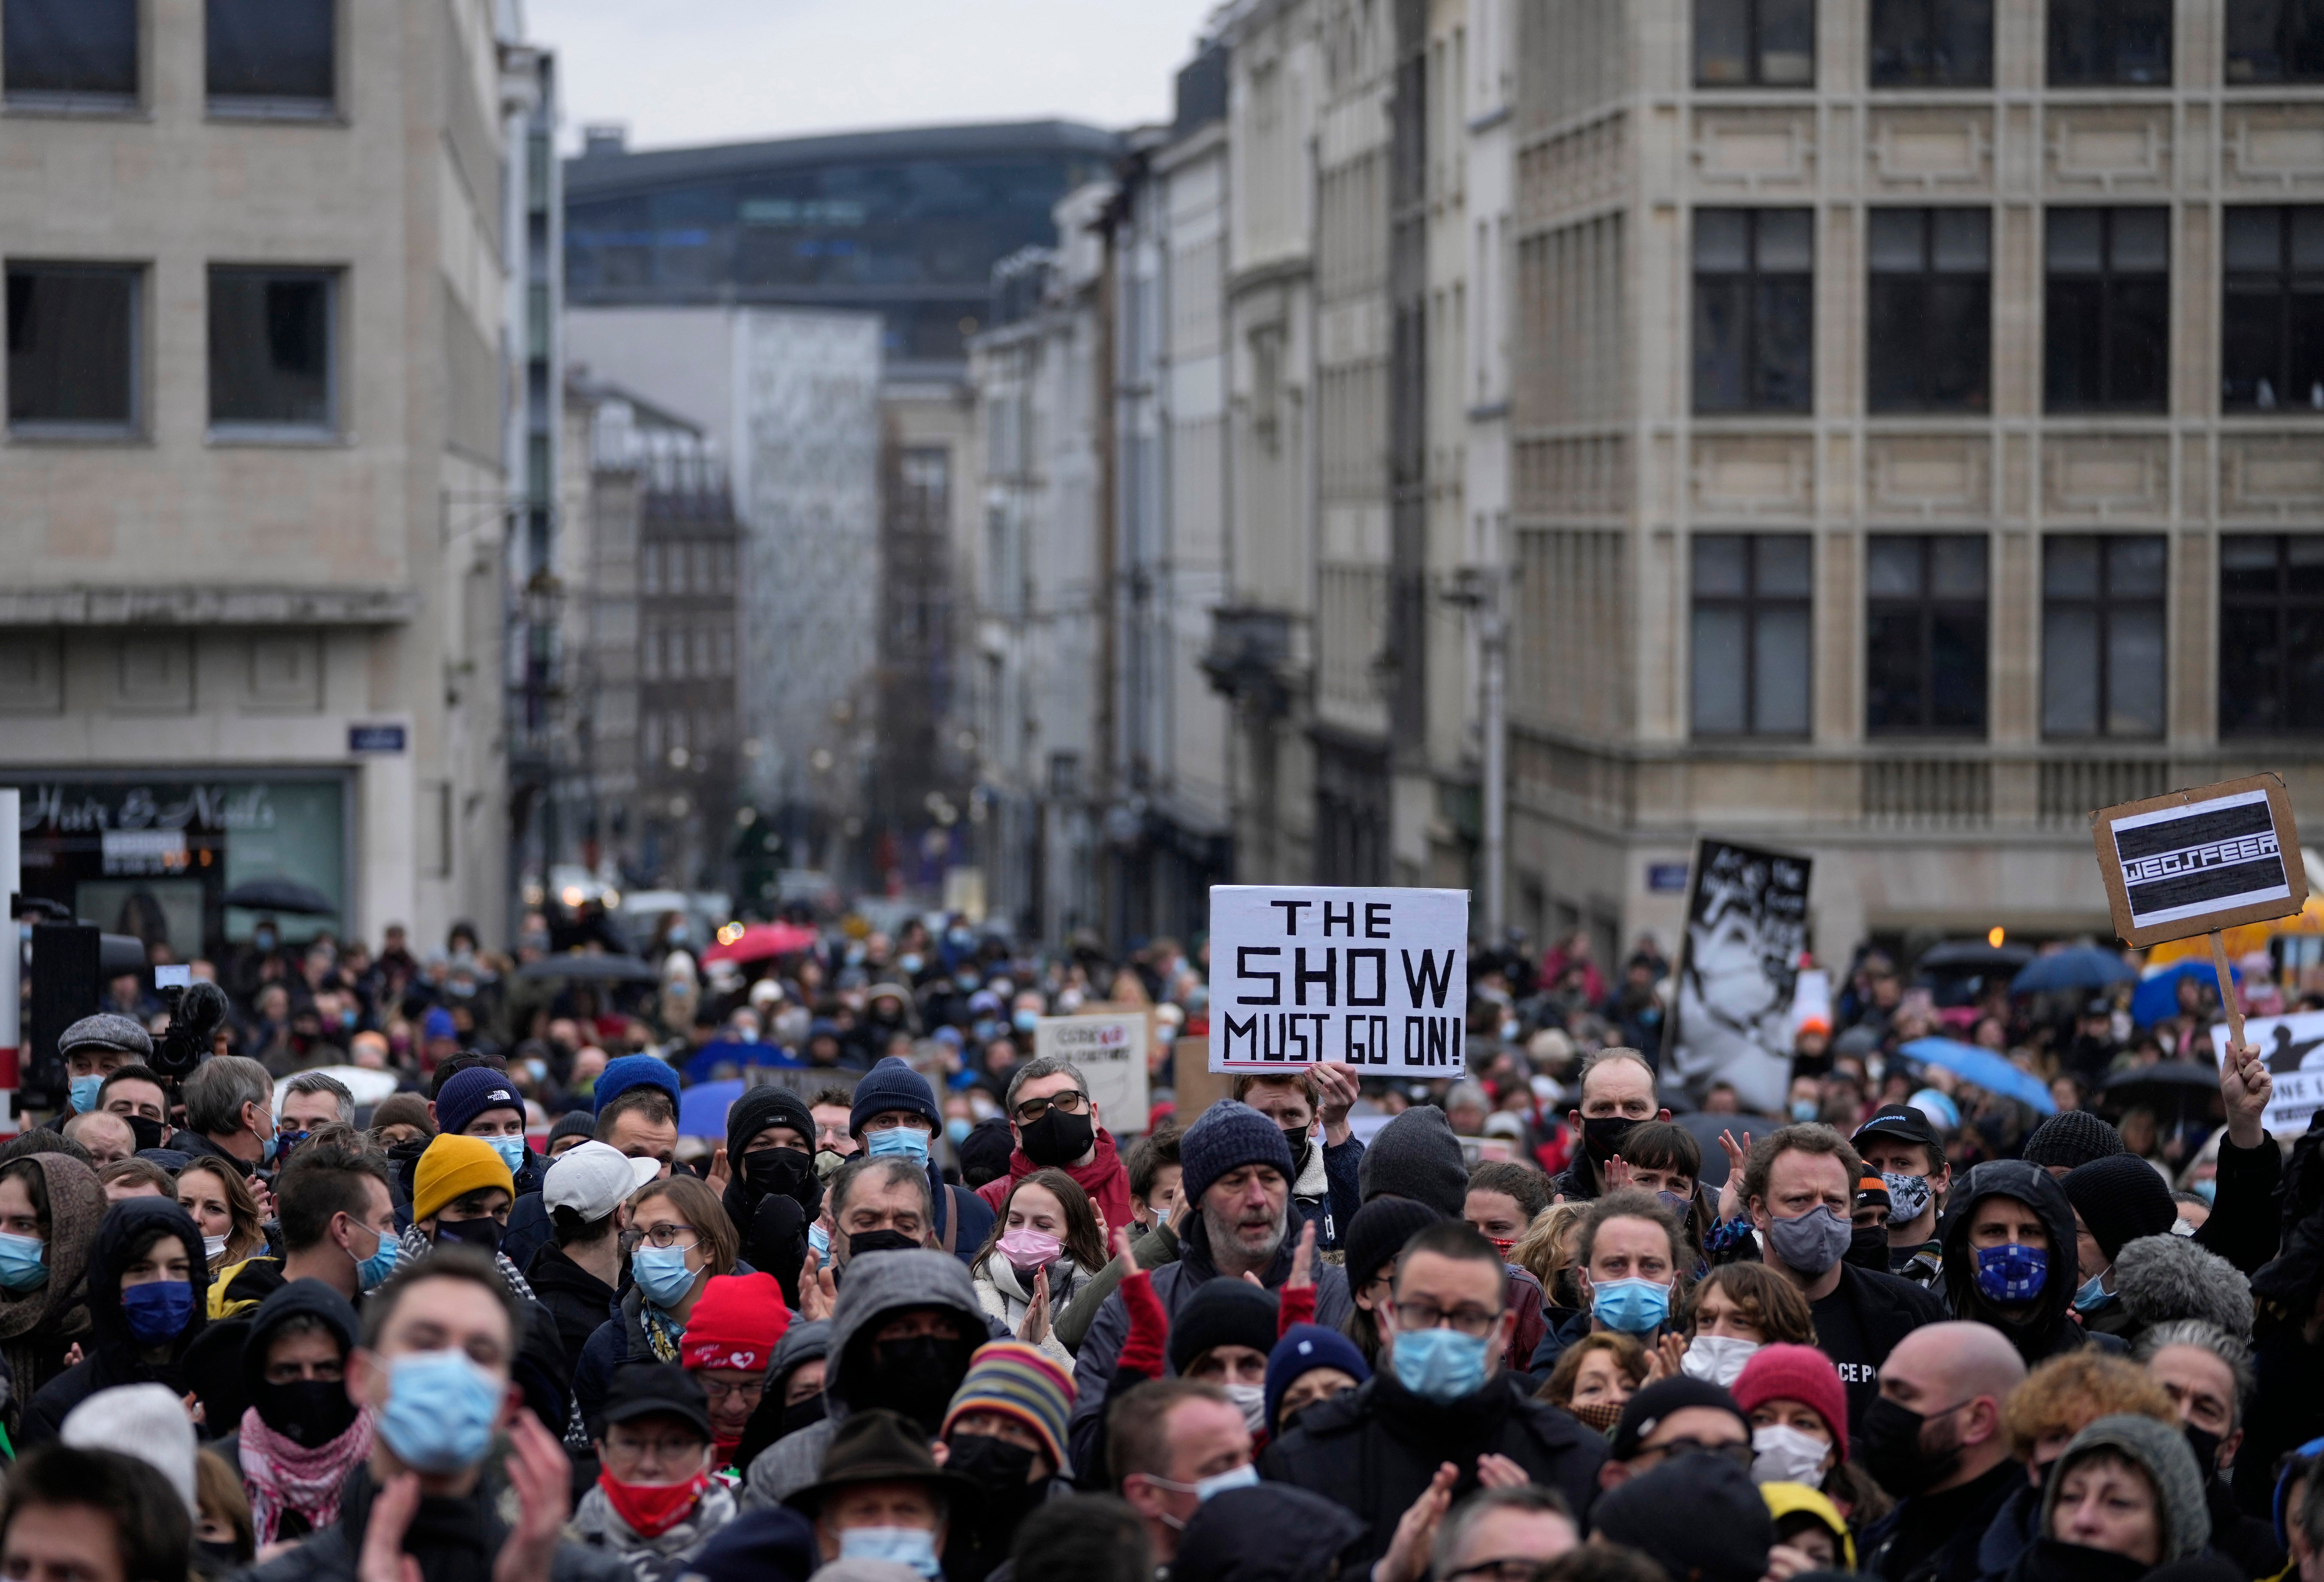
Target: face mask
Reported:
[(511, 1150), (781, 1172), (1678, 1203), (1717, 1359), (1297, 1142), (2206, 1446), (148, 1131), (1057, 1139), (373, 1272), (1441, 1365), (1893, 1454), (2012, 1274), (82, 1093), (1206, 1489), (879, 1241), (287, 1143), (661, 1272), (268, 1146), (956, 1130), (994, 1465), (1785, 1455), (440, 1410), (212, 1246), (1602, 1135), (157, 1310), (23, 1263), (802, 1414), (2206, 1190), (223, 1559), (1867, 1247), (1025, 1021), (1029, 1249), (898, 1142), (1601, 1415), (1908, 1197), (917, 1377), (904, 1546), (1251, 1400), (964, 981), (910, 962), (483, 1235), (1803, 1110), (819, 1239), (2092, 1294), (653, 1508), (1633, 1307), (984, 1029), (1812, 1242), (308, 1412)]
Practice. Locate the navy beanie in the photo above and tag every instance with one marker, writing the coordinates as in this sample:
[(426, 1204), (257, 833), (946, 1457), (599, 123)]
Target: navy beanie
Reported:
[(1222, 1312), (2121, 1198), (1303, 1349), (893, 1085), (469, 1093), (1226, 1136), (630, 1071)]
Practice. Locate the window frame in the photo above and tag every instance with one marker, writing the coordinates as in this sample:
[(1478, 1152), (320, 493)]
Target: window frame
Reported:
[(133, 427), (2285, 25), (84, 102), (1751, 604), (2109, 279), (1930, 31), (245, 431), (1755, 280), (1755, 60), (2286, 282), (1924, 284), (2281, 603), (233, 107), (2105, 605), (1926, 608), (2108, 17)]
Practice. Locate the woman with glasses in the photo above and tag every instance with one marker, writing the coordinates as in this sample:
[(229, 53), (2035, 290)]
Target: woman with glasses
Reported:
[(1043, 1246), (679, 1240)]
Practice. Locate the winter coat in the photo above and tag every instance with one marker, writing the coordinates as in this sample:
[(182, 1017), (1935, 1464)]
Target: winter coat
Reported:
[(2047, 1326), (114, 1355), (1105, 1178), (576, 1301), (331, 1554), (962, 1219), (1152, 1247), (39, 1325), (595, 1525), (1327, 1195), (1005, 1298), (2246, 1226), (621, 1337), (2287, 1406)]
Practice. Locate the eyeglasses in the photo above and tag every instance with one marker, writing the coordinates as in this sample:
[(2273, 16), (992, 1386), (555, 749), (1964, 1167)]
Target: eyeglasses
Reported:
[(1472, 1321), (1071, 1101), (1738, 1451), (667, 1235), (720, 1391), (669, 1447)]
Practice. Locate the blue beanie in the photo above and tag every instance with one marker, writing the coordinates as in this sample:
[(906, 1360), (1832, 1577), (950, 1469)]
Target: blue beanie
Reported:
[(630, 1071), (1226, 1136), (893, 1085), (468, 1094), (1303, 1349)]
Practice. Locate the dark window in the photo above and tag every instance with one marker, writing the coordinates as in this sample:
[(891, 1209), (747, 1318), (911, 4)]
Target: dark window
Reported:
[(2271, 634), (1931, 43), (1754, 309), (1755, 43), (270, 348), (71, 51), (2102, 658), (2272, 354), (2119, 42), (2107, 309), (1924, 635), (1930, 309), (271, 54), (72, 340), (2275, 41), (1751, 648)]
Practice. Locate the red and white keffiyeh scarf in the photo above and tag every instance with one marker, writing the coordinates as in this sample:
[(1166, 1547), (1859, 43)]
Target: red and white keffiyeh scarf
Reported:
[(284, 1476)]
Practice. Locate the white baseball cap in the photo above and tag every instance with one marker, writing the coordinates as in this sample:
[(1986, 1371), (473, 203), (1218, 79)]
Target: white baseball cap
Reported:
[(594, 1179)]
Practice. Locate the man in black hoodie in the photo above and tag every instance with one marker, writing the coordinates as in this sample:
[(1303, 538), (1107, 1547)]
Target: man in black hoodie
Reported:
[(772, 1192), (148, 1289), (1935, 1440), (2010, 1259)]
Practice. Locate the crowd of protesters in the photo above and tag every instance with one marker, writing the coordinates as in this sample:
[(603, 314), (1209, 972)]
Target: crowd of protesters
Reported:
[(918, 1308)]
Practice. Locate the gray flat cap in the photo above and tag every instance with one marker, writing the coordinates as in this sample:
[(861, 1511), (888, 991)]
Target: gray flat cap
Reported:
[(106, 1031)]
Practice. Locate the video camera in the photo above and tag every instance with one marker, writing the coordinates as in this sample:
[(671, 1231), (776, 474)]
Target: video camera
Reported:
[(197, 1010)]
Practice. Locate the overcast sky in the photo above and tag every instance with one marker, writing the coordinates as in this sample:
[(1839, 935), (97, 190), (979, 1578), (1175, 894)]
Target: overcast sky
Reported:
[(694, 71)]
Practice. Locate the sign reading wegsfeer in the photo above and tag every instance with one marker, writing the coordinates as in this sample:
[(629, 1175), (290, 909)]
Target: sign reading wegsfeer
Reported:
[(2199, 861), (1376, 978)]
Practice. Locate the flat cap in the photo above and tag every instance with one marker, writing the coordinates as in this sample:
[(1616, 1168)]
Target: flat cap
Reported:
[(107, 1030)]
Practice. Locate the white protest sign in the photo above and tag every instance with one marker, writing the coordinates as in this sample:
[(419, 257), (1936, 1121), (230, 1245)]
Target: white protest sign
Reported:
[(1110, 1051), (1376, 978), (2292, 1050)]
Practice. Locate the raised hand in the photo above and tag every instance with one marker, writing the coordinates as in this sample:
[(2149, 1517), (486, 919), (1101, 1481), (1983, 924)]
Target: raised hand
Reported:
[(1406, 1559), (1303, 1259), (382, 1558), (1618, 1174), (1501, 1472), (719, 1174), (1738, 1155), (2248, 1089), (818, 1288), (1121, 1249), (1664, 1356), (1035, 1328), (542, 1477), (1337, 1089)]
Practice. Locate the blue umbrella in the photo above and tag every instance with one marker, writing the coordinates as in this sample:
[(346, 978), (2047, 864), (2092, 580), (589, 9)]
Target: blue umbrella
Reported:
[(702, 1108), (705, 1061), (2075, 967), (2157, 994), (1973, 1062)]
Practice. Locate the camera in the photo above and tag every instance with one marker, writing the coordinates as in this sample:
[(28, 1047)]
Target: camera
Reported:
[(197, 1010)]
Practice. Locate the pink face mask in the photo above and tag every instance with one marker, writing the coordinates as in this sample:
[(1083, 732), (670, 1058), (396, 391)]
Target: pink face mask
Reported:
[(1028, 1248)]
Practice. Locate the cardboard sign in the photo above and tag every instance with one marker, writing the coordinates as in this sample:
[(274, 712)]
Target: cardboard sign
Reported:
[(1747, 923), (1376, 978), (2197, 860), (1111, 1049), (2292, 1050)]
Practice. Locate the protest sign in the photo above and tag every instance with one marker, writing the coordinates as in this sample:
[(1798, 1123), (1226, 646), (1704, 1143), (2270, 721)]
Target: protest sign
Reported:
[(2199, 861), (2292, 1050), (1111, 1049), (1376, 978), (1745, 926)]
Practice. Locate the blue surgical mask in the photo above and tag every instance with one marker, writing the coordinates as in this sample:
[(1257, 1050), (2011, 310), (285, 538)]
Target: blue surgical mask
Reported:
[(23, 1263), (898, 1142), (909, 961), (904, 1546), (82, 1093), (1025, 1021), (1633, 1307), (511, 1150), (2012, 1274), (819, 1239), (1803, 1110), (958, 1129), (662, 1274), (157, 1310), (441, 1412), (1440, 1365), (373, 1272), (2093, 1294), (2207, 1188)]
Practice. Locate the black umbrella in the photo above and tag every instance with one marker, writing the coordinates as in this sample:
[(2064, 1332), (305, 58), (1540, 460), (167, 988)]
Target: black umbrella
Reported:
[(282, 895), (1963, 957), (2169, 1073), (590, 967)]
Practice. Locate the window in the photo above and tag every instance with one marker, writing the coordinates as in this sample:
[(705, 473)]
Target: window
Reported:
[(2271, 634), (2110, 43), (271, 349), (73, 54), (1755, 43), (270, 57), (1929, 335), (1931, 43), (2102, 653), (2108, 309), (1751, 667), (2275, 41), (1924, 634), (72, 348), (1754, 309), (2273, 356)]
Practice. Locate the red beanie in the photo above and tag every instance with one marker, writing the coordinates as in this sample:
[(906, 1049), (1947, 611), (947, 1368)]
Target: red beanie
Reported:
[(1792, 1372), (735, 1323)]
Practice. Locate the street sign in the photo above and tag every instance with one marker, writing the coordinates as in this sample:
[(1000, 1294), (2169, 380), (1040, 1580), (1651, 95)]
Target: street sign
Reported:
[(1110, 1047), (2199, 861)]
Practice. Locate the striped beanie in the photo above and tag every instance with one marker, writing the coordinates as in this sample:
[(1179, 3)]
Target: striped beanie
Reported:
[(1015, 1380)]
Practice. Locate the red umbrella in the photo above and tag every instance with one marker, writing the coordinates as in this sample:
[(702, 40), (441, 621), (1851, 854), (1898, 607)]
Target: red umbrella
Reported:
[(761, 940)]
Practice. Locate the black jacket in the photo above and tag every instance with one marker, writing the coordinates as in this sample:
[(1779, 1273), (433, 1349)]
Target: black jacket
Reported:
[(1375, 1448), (1935, 1538), (1887, 1310), (2046, 1327), (113, 1355), (2245, 1225), (576, 1301), (454, 1540)]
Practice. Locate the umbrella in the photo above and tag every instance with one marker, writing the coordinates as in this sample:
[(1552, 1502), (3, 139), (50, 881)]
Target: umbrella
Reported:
[(2075, 967), (2169, 1073), (590, 967), (282, 895), (761, 940), (2157, 994), (1975, 1063), (1963, 958), (702, 1108), (711, 1056)]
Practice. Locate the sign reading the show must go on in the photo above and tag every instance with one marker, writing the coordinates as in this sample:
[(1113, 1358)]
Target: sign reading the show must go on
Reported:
[(1376, 978), (2199, 861)]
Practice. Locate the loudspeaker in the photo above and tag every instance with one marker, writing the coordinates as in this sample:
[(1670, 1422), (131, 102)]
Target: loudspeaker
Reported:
[(65, 989)]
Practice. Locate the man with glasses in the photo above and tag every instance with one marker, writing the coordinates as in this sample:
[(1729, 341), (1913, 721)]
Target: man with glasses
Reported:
[(1502, 1535), (730, 1339), (1676, 1417), (1441, 1417), (1056, 1126), (654, 1500), (1935, 1440)]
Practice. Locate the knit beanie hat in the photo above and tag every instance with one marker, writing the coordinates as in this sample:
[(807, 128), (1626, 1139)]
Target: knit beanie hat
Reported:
[(759, 1108), (735, 1323), (144, 1420), (1724, 1536), (630, 1071), (2120, 1198), (1016, 1381), (1796, 1373), (452, 1167), (468, 1094), (1378, 1232), (893, 1085), (1303, 1349), (1222, 1312), (1226, 1136), (1416, 1156), (573, 1123), (2070, 1137), (1658, 1399), (2161, 1449)]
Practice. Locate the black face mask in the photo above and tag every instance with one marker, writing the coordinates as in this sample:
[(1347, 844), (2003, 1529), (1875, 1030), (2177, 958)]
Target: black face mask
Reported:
[(1602, 1135), (999, 1467), (308, 1412), (1892, 1451), (802, 1414), (2072, 1562), (219, 1559), (1298, 1142), (783, 1172), (1869, 1249), (148, 1132), (483, 1235), (1056, 1139), (916, 1377), (879, 1241), (2206, 1446)]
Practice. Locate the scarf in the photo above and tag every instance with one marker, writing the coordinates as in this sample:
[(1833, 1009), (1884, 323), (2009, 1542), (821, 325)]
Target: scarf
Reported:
[(1017, 1295), (283, 1475), (416, 1246), (595, 1523)]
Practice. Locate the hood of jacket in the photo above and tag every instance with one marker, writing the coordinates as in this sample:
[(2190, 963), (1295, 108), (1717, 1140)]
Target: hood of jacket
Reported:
[(801, 1343), (296, 1299), (76, 1206), (128, 1229), (883, 1282), (2033, 1330)]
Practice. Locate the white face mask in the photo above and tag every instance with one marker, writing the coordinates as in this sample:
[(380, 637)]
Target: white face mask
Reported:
[(1251, 1400), (1785, 1455), (1717, 1359)]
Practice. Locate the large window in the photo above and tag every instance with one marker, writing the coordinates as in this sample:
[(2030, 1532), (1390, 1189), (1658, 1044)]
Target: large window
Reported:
[(1926, 634), (76, 53), (72, 348), (2110, 43), (1929, 335), (1751, 602), (270, 56), (2275, 41), (1754, 309), (270, 362), (2107, 311), (2272, 354), (2102, 657), (1755, 43), (1931, 43), (2271, 634)]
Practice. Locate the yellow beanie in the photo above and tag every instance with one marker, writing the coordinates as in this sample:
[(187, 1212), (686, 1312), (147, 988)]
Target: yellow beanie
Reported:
[(452, 1167)]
